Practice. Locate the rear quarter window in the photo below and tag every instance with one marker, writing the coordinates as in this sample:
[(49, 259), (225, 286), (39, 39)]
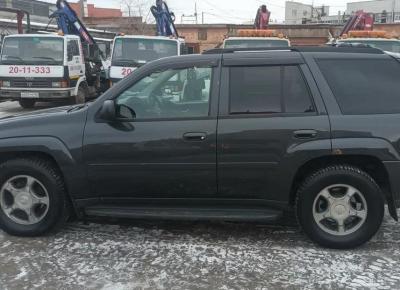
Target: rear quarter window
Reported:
[(269, 90), (364, 86)]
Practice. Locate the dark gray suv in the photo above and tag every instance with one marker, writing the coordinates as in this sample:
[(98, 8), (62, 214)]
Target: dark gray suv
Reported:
[(227, 135)]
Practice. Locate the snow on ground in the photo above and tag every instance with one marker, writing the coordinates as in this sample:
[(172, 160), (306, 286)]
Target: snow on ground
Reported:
[(194, 255)]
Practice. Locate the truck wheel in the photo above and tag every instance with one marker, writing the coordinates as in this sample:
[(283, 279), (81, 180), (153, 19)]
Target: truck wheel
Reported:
[(340, 207), (27, 103), (33, 201), (82, 95)]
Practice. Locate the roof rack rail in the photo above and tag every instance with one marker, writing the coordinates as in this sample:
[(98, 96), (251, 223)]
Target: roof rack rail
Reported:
[(351, 49), (248, 49)]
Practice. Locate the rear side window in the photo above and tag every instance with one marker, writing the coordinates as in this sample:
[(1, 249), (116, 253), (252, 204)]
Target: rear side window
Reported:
[(364, 86), (268, 90)]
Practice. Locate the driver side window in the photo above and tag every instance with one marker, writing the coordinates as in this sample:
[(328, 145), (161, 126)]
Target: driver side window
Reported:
[(72, 49), (175, 93)]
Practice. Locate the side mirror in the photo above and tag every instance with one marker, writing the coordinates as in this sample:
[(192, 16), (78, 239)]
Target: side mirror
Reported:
[(125, 114), (108, 111)]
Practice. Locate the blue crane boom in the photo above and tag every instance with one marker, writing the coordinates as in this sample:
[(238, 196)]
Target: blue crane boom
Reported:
[(68, 22), (164, 19)]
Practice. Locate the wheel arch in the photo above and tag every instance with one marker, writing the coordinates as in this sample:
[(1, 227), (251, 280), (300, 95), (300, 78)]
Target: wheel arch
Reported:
[(368, 163), (81, 81), (53, 152)]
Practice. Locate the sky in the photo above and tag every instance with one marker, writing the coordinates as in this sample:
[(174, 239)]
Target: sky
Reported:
[(223, 11)]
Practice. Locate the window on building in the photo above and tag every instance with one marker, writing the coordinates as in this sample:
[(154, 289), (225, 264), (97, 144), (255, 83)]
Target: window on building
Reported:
[(268, 90), (202, 35), (364, 86)]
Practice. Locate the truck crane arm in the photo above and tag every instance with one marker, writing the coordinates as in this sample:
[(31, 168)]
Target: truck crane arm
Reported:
[(360, 21), (262, 18), (164, 19), (69, 23)]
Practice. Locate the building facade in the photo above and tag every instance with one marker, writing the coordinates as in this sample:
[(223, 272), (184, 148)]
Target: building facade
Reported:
[(39, 10), (83, 9), (300, 13)]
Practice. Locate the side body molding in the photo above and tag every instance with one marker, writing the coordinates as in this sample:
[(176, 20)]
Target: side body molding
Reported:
[(377, 147)]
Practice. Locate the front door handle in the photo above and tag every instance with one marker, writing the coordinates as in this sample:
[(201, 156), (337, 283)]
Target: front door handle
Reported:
[(194, 136), (305, 134)]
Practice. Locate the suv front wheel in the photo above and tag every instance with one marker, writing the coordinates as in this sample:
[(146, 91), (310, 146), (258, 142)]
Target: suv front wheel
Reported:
[(33, 201), (340, 207)]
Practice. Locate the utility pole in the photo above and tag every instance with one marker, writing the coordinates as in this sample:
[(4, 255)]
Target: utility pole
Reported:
[(393, 10), (81, 9), (195, 12), (202, 17), (312, 10)]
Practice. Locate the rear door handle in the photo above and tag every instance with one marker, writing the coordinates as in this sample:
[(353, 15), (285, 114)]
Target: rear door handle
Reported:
[(194, 137), (305, 134)]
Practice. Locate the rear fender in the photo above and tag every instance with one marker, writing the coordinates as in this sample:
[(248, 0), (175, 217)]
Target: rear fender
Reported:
[(382, 150)]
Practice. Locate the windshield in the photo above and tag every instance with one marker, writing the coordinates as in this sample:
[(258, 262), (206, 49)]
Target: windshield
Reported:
[(33, 50), (255, 43), (385, 45), (136, 52)]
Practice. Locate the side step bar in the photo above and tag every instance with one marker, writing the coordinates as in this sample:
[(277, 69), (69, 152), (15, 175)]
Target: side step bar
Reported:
[(186, 213)]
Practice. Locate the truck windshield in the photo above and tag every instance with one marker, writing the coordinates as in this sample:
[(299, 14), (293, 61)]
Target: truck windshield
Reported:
[(33, 50), (136, 51), (255, 43), (385, 45)]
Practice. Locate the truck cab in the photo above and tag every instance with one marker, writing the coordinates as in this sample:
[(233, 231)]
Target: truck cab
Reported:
[(388, 45), (131, 52), (38, 67), (375, 39)]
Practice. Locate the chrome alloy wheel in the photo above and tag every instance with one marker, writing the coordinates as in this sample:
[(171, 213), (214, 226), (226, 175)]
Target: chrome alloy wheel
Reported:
[(340, 209), (24, 200)]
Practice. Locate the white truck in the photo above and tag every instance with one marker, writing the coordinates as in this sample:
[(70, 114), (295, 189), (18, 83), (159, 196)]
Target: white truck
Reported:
[(133, 51), (389, 45), (36, 67)]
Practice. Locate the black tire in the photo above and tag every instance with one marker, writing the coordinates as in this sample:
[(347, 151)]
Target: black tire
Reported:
[(351, 176), (58, 210), (82, 95), (27, 103)]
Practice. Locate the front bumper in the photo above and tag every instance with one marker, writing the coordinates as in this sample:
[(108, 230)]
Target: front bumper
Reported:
[(43, 94)]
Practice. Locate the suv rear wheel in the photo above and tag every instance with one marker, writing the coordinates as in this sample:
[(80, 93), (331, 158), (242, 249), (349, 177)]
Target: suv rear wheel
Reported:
[(340, 207), (32, 197), (27, 103)]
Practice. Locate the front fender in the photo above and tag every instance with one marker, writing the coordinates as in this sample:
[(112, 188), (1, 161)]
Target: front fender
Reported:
[(43, 144), (72, 169)]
